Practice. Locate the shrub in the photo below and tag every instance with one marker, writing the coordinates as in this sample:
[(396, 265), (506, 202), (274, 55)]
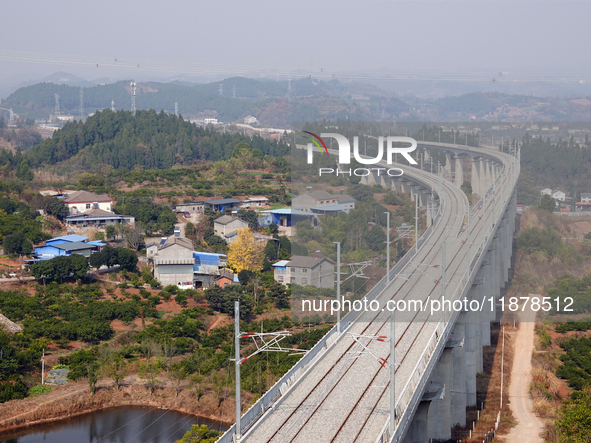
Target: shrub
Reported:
[(173, 289), (181, 299), (39, 390)]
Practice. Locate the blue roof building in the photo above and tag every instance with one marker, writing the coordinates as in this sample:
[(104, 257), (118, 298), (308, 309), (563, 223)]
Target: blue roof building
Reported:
[(66, 239)]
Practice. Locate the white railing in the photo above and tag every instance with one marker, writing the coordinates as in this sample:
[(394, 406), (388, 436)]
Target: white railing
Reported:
[(408, 391)]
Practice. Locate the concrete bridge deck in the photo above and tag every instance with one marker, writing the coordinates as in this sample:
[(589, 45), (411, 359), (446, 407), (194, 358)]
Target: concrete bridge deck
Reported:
[(346, 399)]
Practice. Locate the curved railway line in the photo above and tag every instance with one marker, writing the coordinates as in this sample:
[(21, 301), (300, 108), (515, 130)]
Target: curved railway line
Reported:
[(346, 399)]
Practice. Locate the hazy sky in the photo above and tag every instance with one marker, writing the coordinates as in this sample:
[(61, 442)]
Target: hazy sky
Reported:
[(231, 37)]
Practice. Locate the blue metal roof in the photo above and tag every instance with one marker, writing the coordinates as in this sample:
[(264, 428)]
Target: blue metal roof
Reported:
[(69, 238), (287, 211), (73, 246), (330, 208), (222, 201), (96, 243)]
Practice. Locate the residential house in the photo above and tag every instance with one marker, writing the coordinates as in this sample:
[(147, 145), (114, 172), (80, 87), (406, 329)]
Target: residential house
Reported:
[(226, 278), (227, 226), (191, 207), (319, 201), (222, 204), (286, 219), (174, 261), (98, 218), (543, 190), (81, 201), (207, 268), (558, 195), (303, 271), (67, 245), (255, 201)]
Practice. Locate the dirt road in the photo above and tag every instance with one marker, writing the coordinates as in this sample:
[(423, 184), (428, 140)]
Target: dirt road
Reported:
[(529, 427)]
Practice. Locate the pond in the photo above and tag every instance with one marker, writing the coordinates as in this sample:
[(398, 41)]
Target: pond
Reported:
[(128, 424)]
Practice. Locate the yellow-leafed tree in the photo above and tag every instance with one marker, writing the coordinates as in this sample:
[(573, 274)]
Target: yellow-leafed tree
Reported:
[(245, 253)]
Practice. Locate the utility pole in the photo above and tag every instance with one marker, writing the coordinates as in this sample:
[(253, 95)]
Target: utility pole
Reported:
[(338, 284), (132, 84), (387, 246), (57, 106), (443, 280), (112, 105), (416, 221), (237, 362), (392, 373), (43, 367), (176, 108), (468, 239), (81, 103)]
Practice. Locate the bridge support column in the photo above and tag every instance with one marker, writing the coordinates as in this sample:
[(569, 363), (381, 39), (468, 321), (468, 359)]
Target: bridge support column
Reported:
[(475, 177), (459, 170), (473, 325), (447, 167), (458, 386), (439, 419), (418, 429), (487, 314), (483, 185)]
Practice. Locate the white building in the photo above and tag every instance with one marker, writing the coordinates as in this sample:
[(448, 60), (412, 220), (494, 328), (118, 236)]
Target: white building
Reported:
[(304, 271), (544, 191), (558, 195), (81, 201), (227, 227)]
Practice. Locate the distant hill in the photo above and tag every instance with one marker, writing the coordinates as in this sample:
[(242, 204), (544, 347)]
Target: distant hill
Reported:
[(229, 100), (149, 140), (276, 104)]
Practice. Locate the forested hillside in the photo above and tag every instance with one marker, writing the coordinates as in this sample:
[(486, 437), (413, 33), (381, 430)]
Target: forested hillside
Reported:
[(237, 98), (565, 165), (150, 140)]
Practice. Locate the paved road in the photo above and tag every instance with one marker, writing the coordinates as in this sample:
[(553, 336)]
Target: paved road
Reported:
[(529, 427)]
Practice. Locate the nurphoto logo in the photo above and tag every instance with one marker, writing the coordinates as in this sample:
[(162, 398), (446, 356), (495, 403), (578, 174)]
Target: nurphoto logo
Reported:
[(393, 147)]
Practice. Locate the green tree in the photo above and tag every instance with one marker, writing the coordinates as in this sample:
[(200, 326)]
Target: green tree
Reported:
[(375, 238), (17, 244), (24, 172), (547, 203), (150, 372), (58, 208), (110, 231), (199, 434), (92, 369), (61, 267), (574, 423)]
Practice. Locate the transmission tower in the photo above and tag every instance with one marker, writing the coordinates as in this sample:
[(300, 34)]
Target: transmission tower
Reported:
[(11, 116), (81, 103), (57, 105), (289, 88), (132, 98), (176, 108), (222, 89), (112, 105)]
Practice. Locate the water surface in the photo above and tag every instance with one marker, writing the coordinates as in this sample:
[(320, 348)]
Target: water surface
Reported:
[(125, 424)]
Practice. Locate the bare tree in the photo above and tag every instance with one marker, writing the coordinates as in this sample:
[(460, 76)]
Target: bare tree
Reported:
[(133, 235)]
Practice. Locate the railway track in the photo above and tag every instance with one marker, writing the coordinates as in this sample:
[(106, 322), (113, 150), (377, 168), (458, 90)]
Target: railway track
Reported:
[(346, 399)]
